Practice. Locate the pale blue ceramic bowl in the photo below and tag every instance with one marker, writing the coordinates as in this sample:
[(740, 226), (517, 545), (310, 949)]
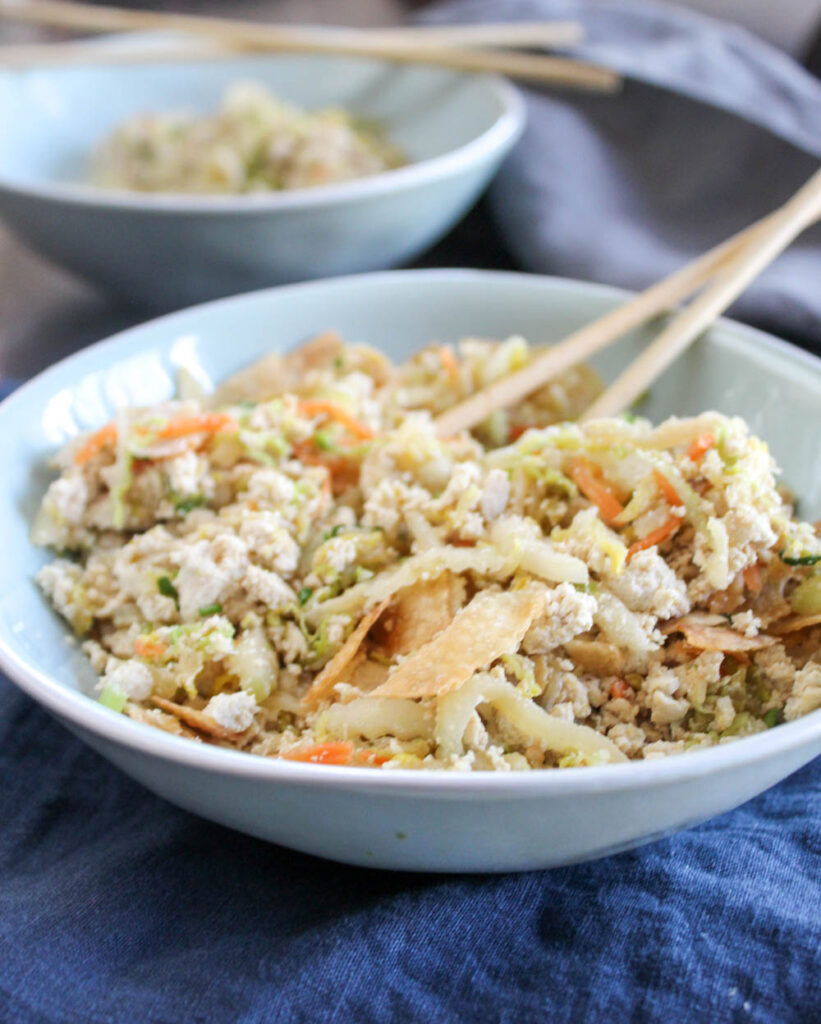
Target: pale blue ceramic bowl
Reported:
[(167, 250), (401, 819)]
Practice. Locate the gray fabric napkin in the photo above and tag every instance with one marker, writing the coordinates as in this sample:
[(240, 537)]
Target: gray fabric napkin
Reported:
[(712, 130)]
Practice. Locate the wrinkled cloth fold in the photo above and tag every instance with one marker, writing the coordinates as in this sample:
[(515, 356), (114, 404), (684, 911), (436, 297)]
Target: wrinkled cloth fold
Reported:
[(712, 130)]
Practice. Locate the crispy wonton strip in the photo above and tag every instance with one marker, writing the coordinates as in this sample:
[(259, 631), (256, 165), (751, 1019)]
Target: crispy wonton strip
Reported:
[(197, 720), (492, 624), (420, 612), (707, 637), (794, 623), (322, 687)]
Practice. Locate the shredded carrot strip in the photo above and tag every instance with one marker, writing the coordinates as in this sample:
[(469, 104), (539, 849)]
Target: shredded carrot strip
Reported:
[(752, 577), (449, 362), (94, 445), (206, 423), (373, 757), (669, 493), (593, 486), (619, 688), (343, 471), (334, 752), (145, 648), (331, 410), (700, 446), (654, 537)]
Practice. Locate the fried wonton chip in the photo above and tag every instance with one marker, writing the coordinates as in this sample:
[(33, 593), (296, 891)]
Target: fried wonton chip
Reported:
[(322, 687), (199, 720), (367, 674), (276, 373), (420, 612), (491, 625), (161, 720), (794, 623), (596, 657), (704, 633)]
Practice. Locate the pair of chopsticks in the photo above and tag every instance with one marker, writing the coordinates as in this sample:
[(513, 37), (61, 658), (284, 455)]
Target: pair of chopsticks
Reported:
[(465, 47), (716, 279)]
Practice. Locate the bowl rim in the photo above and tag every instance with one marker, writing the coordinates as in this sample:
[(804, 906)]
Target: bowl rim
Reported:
[(500, 136), (87, 714)]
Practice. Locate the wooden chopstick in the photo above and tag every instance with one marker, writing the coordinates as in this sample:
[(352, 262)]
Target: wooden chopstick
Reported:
[(245, 35), (528, 34), (593, 337), (742, 267)]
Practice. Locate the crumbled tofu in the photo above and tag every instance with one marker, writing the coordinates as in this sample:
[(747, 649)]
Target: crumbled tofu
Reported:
[(567, 613), (648, 584), (806, 695), (132, 678), (233, 711), (495, 494), (725, 714)]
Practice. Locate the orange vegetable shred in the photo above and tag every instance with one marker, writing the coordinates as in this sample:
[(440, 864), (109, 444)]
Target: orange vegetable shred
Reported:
[(145, 648), (334, 752), (654, 537), (589, 479), (700, 446), (752, 578), (330, 410), (106, 435), (450, 363), (619, 688), (669, 493), (206, 423)]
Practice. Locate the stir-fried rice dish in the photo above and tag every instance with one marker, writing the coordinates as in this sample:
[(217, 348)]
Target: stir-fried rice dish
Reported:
[(299, 566), (254, 142)]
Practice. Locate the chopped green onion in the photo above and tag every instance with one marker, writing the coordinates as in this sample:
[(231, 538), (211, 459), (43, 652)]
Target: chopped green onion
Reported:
[(211, 609), (339, 362), (304, 595), (334, 532), (322, 439), (113, 698), (772, 717), (800, 559), (188, 504), (167, 589)]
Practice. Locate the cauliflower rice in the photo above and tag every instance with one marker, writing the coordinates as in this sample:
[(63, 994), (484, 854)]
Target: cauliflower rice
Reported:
[(253, 143), (299, 567)]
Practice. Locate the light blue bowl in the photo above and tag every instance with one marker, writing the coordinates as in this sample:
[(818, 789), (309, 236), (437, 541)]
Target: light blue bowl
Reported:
[(167, 250), (396, 819)]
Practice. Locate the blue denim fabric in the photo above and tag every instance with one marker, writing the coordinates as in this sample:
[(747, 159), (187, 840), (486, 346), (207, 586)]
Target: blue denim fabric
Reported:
[(116, 907)]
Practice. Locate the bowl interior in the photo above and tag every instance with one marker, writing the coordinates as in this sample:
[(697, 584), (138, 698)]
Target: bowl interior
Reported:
[(733, 369), (53, 117)]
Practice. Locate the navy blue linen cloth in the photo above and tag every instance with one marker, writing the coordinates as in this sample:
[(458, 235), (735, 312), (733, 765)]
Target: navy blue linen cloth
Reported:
[(116, 907)]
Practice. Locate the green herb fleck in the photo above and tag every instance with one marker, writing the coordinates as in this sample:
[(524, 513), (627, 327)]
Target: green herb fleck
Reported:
[(114, 699), (304, 595), (334, 532), (167, 589), (772, 717), (339, 362), (188, 504), (322, 439), (211, 609), (800, 559)]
